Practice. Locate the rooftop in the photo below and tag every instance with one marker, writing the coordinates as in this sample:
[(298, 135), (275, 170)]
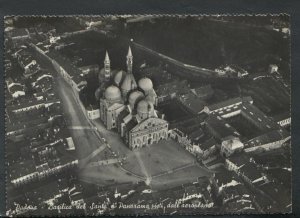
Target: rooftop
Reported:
[(256, 116), (192, 102), (250, 170), (223, 177), (269, 137), (219, 127), (208, 144), (239, 159), (225, 103)]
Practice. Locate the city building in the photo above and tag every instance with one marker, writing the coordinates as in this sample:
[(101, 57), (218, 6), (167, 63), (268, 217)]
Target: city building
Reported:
[(208, 148), (129, 106), (283, 119), (193, 103), (273, 68), (231, 145), (14, 88), (246, 169), (268, 141), (227, 108), (219, 128), (231, 71)]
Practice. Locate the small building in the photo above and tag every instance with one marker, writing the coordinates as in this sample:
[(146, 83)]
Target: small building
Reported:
[(231, 71), (93, 112), (273, 68), (231, 145), (209, 147), (246, 169), (283, 119), (16, 90)]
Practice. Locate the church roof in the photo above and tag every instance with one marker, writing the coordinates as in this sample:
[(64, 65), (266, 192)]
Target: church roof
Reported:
[(131, 124)]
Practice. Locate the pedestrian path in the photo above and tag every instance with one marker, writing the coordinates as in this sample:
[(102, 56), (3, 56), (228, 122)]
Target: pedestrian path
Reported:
[(83, 162)]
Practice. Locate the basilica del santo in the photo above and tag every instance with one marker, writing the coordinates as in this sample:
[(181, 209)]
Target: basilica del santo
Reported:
[(129, 107)]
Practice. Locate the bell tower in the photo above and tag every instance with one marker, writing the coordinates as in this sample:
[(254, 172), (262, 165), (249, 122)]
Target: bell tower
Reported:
[(107, 74), (129, 61)]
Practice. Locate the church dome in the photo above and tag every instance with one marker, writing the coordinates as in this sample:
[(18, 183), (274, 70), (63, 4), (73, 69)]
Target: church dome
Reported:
[(98, 93), (144, 107), (128, 83), (146, 84), (112, 93), (133, 97), (101, 74), (119, 77)]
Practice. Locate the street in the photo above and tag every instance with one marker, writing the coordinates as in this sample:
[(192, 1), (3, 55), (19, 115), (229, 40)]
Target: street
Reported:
[(85, 139), (88, 144)]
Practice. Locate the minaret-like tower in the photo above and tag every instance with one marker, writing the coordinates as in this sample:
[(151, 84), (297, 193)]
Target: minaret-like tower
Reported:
[(129, 61), (107, 73)]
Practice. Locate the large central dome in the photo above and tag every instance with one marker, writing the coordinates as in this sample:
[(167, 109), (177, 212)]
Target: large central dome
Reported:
[(112, 93)]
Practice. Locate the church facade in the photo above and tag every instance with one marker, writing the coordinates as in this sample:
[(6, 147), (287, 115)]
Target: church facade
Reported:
[(129, 107)]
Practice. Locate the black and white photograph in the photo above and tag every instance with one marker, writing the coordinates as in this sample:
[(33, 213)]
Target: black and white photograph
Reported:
[(147, 115)]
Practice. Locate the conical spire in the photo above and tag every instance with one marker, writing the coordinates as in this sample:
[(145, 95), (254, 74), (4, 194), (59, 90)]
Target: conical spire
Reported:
[(107, 73), (129, 61), (106, 59), (129, 54)]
